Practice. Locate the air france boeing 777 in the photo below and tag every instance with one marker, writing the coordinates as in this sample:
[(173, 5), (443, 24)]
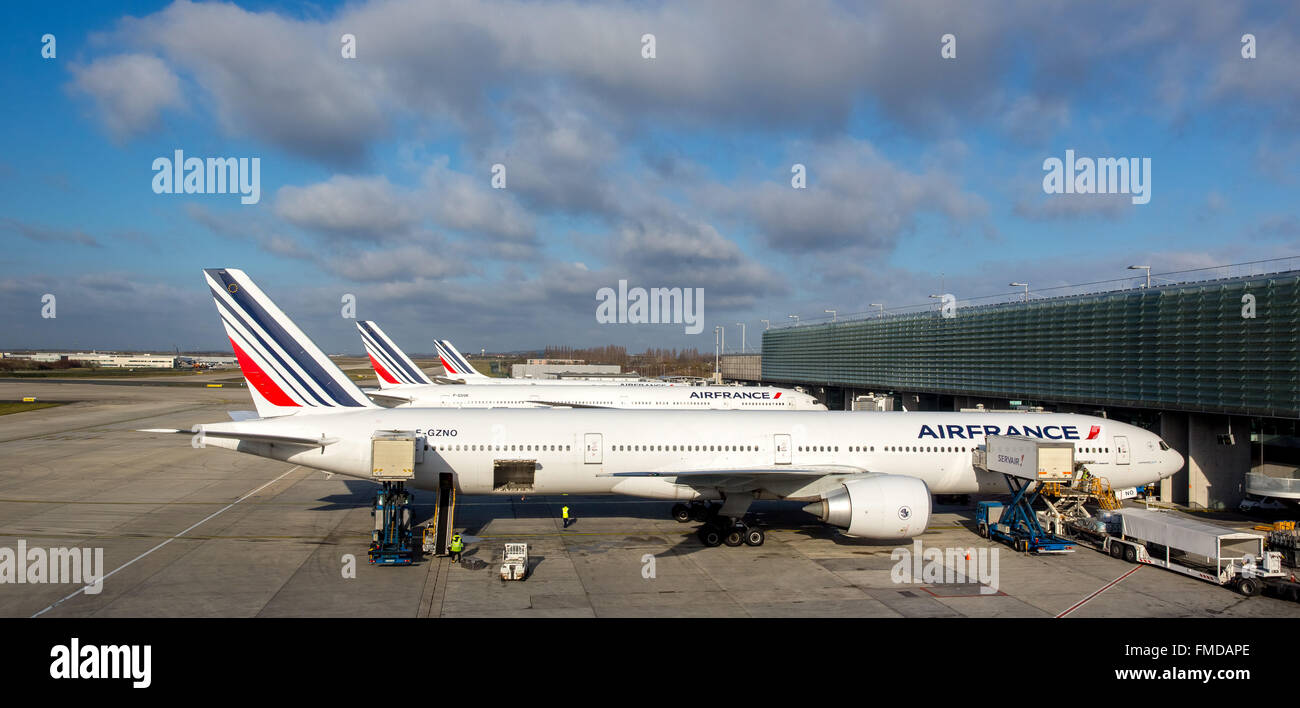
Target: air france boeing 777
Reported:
[(870, 474), (524, 395)]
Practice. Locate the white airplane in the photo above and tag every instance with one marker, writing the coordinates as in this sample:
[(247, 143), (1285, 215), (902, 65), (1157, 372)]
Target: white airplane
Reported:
[(391, 364), (458, 368), (870, 474)]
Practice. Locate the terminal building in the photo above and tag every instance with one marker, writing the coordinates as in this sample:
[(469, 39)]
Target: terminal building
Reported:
[(1213, 366), (108, 361)]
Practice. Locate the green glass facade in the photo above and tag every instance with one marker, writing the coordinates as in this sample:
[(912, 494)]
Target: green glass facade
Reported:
[(1177, 347)]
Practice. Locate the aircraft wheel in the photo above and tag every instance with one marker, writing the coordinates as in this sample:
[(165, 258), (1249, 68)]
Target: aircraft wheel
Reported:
[(735, 536), (710, 536), (699, 512), (755, 537), (681, 513), (1130, 554)]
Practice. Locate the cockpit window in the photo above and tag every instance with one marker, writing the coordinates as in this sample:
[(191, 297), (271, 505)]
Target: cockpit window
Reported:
[(1164, 445)]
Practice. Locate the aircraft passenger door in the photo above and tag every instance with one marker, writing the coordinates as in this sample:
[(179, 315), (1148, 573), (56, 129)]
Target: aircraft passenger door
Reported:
[(781, 449), (593, 449), (1121, 450)]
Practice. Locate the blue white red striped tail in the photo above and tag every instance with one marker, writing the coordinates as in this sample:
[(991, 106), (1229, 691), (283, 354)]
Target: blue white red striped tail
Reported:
[(457, 366), (286, 371), (392, 365)]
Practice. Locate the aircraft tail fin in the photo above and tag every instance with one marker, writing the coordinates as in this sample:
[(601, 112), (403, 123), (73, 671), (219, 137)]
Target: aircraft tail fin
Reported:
[(457, 366), (286, 372), (391, 364)]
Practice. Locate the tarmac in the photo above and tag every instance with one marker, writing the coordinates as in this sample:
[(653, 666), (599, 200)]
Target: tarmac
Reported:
[(189, 532)]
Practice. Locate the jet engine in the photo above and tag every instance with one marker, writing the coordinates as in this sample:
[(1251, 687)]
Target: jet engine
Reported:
[(884, 507)]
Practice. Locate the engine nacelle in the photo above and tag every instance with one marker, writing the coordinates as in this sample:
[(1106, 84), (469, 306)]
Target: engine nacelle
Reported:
[(885, 507)]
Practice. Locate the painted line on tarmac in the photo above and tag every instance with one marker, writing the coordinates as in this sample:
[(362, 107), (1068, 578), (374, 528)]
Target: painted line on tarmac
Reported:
[(102, 426), (1104, 588), (173, 538)]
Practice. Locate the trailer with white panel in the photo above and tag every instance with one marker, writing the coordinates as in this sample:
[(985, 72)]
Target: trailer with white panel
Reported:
[(1212, 553)]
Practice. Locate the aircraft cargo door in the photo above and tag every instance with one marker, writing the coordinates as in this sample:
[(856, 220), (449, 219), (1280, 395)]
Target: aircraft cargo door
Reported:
[(592, 449), (781, 449), (1121, 450)]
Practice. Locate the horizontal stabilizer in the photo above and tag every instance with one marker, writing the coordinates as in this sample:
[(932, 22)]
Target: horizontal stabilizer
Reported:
[(391, 399), (248, 437)]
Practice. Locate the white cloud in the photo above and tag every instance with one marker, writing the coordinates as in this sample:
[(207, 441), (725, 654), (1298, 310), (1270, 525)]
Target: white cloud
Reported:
[(129, 90), (370, 208), (855, 198)]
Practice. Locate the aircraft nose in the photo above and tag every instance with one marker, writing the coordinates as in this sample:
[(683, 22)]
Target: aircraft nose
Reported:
[(1174, 463)]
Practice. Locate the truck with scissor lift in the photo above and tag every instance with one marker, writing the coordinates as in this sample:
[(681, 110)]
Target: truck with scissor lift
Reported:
[(393, 455), (1027, 464)]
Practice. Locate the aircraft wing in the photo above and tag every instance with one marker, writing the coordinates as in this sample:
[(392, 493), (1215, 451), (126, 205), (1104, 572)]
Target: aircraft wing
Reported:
[(561, 404), (249, 437), (741, 479)]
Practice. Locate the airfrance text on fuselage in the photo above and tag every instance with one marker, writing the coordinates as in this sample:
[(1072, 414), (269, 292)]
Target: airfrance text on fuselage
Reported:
[(970, 432), (734, 394)]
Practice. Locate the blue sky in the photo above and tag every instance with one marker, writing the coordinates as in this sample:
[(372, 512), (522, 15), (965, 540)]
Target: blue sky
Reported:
[(923, 172)]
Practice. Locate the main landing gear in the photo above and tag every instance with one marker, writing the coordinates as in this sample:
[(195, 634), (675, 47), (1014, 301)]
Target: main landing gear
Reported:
[(718, 529)]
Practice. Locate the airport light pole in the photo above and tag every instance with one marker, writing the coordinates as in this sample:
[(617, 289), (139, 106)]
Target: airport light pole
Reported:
[(881, 305), (742, 337), (834, 314), (1147, 268), (1026, 287), (715, 351), (795, 318)]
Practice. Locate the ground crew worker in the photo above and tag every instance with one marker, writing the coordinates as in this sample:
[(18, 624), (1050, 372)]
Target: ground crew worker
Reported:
[(457, 546), (564, 512)]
